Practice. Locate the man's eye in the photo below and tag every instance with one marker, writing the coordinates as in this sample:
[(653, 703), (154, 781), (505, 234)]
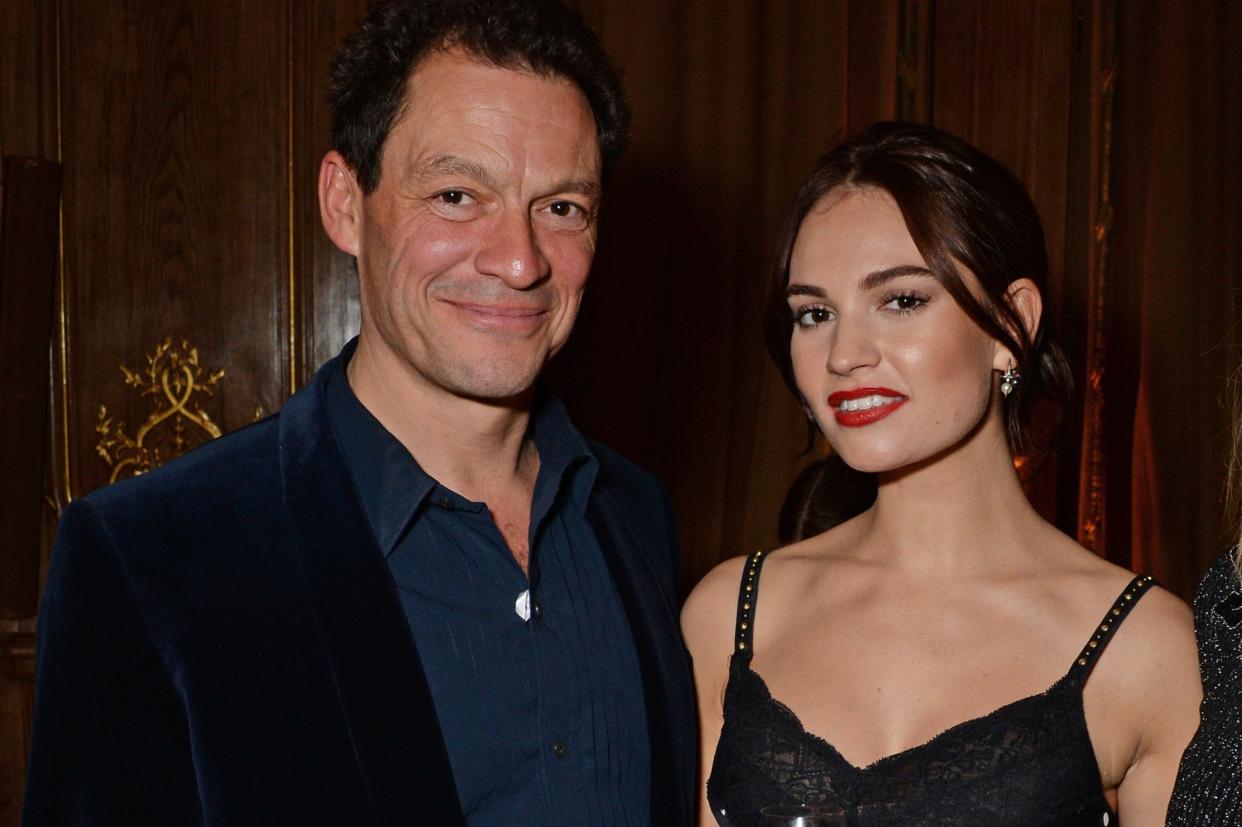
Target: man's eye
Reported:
[(564, 209), (453, 197)]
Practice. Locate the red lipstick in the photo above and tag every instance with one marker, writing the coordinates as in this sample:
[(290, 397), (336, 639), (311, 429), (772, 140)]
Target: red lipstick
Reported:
[(874, 412)]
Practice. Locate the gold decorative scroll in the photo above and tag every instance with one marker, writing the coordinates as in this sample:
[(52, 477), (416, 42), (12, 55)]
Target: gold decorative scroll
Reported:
[(175, 383)]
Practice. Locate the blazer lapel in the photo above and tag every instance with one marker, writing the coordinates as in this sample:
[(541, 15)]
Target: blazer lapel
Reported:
[(653, 618), (384, 694)]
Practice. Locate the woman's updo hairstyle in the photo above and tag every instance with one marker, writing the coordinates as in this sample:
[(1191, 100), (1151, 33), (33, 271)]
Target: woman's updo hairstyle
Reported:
[(959, 206)]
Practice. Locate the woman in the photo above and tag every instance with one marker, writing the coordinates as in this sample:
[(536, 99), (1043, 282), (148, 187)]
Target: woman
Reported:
[(933, 660), (1209, 783)]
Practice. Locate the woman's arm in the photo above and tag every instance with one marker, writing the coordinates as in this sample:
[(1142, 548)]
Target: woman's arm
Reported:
[(1160, 704), (707, 625)]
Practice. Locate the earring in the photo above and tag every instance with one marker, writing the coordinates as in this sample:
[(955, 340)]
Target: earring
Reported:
[(1009, 380)]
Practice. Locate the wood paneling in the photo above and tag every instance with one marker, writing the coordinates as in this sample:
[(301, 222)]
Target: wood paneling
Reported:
[(328, 297), (176, 221), (29, 213), (28, 111), (16, 714), (28, 79)]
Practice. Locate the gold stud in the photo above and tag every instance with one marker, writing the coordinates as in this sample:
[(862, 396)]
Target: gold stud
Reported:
[(1082, 661), (748, 587), (1092, 644), (744, 627), (746, 606), (1104, 627), (1128, 596), (1116, 611), (752, 574), (741, 645)]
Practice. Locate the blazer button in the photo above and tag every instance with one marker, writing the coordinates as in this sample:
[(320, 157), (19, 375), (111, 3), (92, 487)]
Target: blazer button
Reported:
[(558, 748)]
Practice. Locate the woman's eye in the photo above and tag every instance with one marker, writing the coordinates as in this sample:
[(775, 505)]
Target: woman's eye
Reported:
[(905, 302), (811, 316)]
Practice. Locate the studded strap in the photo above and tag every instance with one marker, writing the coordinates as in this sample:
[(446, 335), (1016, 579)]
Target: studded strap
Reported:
[(1108, 627), (747, 598)]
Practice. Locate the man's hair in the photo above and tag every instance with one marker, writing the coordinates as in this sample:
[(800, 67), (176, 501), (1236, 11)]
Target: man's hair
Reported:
[(372, 69)]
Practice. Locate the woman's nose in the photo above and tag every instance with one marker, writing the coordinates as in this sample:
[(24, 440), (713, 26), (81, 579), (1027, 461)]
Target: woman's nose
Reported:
[(852, 347)]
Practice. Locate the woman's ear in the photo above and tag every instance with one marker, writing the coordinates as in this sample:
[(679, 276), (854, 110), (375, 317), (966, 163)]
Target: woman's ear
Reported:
[(1023, 296), (340, 202)]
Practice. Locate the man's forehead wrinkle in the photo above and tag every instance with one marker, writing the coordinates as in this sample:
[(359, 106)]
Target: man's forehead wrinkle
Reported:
[(446, 164)]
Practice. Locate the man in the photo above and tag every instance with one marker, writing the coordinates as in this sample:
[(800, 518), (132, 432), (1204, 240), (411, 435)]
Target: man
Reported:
[(417, 595)]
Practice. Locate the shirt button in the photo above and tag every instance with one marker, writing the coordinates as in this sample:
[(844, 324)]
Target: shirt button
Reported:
[(535, 609), (445, 503), (558, 748)]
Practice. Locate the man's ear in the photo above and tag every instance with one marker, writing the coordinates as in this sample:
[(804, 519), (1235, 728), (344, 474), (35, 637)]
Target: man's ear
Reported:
[(1023, 296), (340, 202)]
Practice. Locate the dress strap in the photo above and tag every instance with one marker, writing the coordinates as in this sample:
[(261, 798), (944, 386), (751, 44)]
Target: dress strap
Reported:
[(1108, 627), (747, 599)]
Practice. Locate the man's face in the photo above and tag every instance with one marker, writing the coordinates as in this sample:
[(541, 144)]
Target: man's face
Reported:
[(474, 249)]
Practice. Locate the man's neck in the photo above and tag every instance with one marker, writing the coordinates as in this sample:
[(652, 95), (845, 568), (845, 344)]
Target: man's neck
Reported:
[(475, 447)]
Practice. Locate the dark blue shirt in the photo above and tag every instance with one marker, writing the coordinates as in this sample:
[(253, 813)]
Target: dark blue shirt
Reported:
[(536, 682)]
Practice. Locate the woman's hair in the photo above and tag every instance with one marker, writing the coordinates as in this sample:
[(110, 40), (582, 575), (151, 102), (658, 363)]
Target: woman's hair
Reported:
[(825, 494), (960, 206)]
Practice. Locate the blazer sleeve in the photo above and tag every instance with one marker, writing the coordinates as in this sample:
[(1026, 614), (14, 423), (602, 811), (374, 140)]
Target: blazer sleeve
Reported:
[(110, 744)]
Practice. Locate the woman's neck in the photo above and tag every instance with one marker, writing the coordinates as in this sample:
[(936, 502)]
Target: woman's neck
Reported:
[(962, 511)]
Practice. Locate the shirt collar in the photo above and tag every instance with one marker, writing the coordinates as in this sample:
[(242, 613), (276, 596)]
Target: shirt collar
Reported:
[(393, 487)]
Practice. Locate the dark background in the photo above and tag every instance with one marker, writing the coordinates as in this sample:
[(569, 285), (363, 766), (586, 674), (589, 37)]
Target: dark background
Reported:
[(190, 132)]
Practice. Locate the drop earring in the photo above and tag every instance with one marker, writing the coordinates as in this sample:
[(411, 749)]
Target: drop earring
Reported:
[(1009, 380)]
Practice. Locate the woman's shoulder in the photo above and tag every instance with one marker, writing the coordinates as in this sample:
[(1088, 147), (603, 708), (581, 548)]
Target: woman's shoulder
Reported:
[(1158, 624), (709, 612), (1148, 677)]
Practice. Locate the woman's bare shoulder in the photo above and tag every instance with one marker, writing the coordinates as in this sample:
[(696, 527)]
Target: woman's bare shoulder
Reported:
[(707, 617)]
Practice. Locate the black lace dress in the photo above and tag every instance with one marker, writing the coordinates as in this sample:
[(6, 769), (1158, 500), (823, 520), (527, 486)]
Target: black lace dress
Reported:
[(1209, 781), (1028, 763)]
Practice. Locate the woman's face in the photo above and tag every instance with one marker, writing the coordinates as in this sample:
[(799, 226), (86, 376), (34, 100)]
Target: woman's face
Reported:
[(890, 365)]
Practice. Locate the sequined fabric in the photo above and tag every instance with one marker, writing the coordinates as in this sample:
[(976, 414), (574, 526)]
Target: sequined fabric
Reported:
[(1209, 782)]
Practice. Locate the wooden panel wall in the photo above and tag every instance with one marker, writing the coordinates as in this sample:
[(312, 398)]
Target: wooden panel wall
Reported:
[(27, 127)]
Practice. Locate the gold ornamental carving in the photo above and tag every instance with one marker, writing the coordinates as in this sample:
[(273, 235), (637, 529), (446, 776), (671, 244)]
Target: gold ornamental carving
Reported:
[(175, 384)]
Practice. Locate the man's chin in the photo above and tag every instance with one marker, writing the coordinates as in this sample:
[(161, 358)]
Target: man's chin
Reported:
[(499, 387)]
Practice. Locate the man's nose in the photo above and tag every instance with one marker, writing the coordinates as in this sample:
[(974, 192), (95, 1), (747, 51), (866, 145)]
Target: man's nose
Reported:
[(511, 251), (853, 346)]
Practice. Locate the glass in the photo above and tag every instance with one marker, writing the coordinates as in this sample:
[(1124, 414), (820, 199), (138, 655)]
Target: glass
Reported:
[(782, 815)]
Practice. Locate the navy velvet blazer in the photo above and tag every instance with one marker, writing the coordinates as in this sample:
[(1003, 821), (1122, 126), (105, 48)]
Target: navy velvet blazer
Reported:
[(221, 643)]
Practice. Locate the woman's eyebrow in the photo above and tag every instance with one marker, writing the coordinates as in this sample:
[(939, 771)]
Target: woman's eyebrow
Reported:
[(868, 282), (804, 290), (881, 277)]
